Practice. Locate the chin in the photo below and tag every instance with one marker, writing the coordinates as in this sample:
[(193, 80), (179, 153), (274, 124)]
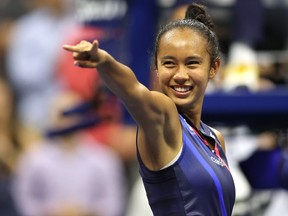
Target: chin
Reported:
[(182, 102)]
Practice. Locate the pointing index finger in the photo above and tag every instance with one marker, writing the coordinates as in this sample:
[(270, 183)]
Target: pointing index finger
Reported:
[(71, 48)]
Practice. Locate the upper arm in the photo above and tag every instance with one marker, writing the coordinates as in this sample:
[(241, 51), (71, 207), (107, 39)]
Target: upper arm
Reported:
[(150, 108), (160, 134)]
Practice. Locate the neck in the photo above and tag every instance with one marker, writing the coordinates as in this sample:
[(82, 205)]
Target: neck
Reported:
[(192, 118)]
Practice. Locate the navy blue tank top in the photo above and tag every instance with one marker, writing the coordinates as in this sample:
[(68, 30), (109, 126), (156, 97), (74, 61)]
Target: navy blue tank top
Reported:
[(198, 183)]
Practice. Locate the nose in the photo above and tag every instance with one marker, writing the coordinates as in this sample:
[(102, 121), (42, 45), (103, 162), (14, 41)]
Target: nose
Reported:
[(181, 75)]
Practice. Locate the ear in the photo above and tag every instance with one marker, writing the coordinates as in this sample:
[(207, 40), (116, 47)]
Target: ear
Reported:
[(214, 68)]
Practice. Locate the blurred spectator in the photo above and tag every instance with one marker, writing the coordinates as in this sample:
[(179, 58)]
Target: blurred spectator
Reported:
[(246, 31), (251, 27), (261, 160), (69, 173), (35, 41)]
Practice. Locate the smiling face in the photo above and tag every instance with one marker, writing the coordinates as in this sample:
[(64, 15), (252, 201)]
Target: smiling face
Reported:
[(184, 67)]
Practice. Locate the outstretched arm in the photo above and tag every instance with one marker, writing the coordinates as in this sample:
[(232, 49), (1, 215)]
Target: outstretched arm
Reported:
[(155, 113), (147, 107)]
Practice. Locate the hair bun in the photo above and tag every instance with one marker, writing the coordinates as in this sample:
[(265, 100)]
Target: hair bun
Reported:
[(199, 12)]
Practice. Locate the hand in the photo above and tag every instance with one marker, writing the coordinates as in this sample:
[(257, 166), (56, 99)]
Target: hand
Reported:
[(86, 54)]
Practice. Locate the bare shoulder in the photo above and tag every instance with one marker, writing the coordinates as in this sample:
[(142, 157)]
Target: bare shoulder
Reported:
[(220, 137), (156, 105)]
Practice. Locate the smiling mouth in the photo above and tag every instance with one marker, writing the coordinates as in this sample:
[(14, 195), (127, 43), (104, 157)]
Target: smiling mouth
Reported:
[(182, 89)]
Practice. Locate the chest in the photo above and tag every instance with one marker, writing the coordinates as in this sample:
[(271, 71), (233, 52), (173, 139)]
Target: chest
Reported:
[(205, 172)]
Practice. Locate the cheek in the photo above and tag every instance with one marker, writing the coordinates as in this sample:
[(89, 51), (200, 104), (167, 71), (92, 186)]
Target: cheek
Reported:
[(200, 80), (164, 78), (199, 76)]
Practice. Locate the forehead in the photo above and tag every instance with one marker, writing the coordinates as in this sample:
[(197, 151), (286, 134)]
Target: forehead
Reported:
[(183, 38)]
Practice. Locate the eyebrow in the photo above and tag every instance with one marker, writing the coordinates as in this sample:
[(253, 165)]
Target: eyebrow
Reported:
[(187, 58), (168, 57)]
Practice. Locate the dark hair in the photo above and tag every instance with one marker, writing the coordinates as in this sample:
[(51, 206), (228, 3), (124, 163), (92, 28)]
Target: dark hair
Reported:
[(196, 18)]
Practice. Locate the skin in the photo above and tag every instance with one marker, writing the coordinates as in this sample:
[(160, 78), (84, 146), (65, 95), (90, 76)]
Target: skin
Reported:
[(183, 70)]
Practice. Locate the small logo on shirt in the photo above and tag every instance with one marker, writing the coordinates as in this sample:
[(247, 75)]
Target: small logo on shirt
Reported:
[(217, 161)]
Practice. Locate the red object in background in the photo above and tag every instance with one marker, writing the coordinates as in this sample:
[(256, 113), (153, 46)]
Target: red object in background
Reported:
[(81, 80), (86, 82)]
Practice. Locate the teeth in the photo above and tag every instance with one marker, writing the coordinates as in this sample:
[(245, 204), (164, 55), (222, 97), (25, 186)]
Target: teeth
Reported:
[(182, 88)]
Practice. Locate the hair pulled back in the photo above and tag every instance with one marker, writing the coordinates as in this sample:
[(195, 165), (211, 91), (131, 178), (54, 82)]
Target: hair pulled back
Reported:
[(198, 12), (197, 19)]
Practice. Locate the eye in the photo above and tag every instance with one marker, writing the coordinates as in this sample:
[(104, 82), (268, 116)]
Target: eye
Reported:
[(168, 63), (193, 62)]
